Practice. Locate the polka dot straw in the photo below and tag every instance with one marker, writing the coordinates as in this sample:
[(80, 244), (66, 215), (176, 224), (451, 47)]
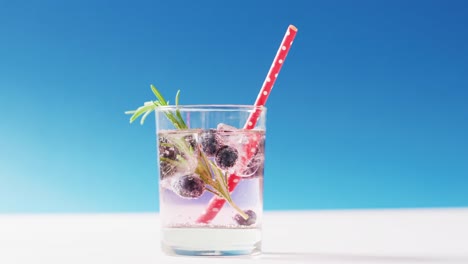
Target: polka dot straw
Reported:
[(217, 203)]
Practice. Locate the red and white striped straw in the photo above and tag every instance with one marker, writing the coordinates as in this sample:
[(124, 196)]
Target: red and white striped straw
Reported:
[(217, 203)]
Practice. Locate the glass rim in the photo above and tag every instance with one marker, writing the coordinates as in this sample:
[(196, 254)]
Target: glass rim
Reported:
[(211, 107)]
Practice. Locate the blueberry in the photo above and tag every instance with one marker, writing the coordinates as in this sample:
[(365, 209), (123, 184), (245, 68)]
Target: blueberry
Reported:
[(167, 153), (250, 221), (167, 150), (226, 157), (189, 186), (209, 142)]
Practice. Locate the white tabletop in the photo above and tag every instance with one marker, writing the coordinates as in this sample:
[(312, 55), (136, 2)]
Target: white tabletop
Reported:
[(380, 236)]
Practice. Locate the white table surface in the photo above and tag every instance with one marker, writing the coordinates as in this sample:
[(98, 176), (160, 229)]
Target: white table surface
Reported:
[(366, 236)]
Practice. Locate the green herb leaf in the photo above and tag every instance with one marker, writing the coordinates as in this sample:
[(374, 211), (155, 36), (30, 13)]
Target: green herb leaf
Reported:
[(140, 111), (177, 98), (158, 95), (176, 119)]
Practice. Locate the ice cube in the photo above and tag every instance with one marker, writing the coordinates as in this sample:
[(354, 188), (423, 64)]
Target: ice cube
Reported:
[(249, 146), (253, 156), (231, 136), (254, 167), (177, 156), (224, 127)]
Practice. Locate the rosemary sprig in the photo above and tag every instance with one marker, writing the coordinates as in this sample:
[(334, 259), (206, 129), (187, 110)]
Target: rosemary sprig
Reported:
[(148, 107), (210, 174), (219, 183)]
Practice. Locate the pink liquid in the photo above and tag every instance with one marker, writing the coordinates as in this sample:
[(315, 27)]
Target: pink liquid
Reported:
[(179, 213)]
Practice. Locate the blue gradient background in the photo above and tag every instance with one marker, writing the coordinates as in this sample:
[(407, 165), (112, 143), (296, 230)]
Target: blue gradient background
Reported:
[(369, 111)]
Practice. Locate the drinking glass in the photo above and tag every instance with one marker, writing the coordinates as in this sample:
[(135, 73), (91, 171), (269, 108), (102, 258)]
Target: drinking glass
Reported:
[(211, 178)]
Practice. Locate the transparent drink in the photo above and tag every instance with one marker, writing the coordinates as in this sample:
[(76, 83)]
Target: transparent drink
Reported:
[(197, 166)]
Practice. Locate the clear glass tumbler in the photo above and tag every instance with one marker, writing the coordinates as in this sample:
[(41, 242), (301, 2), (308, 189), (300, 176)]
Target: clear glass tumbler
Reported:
[(211, 178)]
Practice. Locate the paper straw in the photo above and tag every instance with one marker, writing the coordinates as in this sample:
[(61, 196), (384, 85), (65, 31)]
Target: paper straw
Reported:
[(217, 203)]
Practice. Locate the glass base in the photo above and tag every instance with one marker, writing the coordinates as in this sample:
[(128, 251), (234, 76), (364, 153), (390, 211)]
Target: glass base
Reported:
[(176, 251), (211, 241)]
